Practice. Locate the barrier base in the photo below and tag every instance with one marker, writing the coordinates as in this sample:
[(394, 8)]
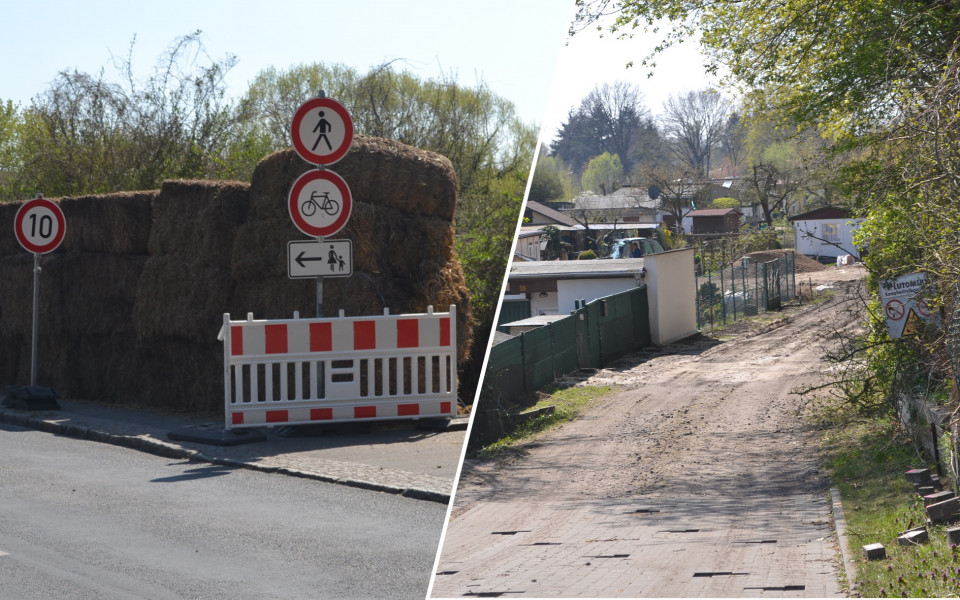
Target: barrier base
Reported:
[(216, 435), (30, 397), (441, 424)]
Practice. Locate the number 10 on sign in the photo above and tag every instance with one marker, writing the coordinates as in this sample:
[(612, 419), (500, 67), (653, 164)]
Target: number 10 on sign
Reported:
[(39, 226)]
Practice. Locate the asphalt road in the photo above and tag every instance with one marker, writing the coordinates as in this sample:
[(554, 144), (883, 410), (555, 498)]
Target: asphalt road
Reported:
[(80, 519)]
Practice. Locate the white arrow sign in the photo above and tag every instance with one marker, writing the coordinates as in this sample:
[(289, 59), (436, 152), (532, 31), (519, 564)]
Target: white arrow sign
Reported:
[(307, 259)]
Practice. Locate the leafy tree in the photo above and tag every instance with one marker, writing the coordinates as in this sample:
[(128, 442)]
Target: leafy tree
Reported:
[(726, 203), (554, 248), (604, 174), (837, 64), (88, 134), (611, 118), (551, 180)]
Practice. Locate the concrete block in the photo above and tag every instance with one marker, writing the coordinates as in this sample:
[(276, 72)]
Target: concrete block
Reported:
[(925, 490), (913, 537), (937, 497), (918, 475), (953, 536), (874, 552), (945, 511)]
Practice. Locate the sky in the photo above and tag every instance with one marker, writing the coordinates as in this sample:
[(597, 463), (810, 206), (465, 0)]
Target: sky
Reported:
[(587, 60), (521, 50), (511, 46)]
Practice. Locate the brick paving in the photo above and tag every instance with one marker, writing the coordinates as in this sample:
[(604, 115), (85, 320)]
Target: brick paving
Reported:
[(674, 547)]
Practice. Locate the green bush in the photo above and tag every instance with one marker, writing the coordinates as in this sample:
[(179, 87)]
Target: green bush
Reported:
[(587, 255)]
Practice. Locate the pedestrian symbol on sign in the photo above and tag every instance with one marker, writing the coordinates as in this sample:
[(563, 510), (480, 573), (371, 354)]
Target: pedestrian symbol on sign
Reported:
[(322, 131), (335, 260), (324, 126)]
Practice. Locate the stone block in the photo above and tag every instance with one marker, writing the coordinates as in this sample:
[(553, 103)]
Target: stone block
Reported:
[(953, 536), (918, 475), (945, 511), (937, 497), (925, 490), (874, 552), (913, 537)]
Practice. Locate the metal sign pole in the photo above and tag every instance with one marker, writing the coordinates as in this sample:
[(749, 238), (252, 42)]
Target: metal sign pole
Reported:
[(319, 297), (36, 319)]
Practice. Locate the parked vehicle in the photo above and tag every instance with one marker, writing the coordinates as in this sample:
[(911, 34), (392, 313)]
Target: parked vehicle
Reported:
[(624, 248)]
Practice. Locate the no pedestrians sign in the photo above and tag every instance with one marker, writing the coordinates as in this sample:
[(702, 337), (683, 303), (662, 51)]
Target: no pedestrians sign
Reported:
[(322, 131)]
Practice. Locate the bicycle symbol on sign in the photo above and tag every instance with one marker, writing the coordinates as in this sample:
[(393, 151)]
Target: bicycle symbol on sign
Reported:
[(329, 205)]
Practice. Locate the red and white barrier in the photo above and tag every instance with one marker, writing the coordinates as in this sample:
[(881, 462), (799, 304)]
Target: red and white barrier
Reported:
[(296, 371)]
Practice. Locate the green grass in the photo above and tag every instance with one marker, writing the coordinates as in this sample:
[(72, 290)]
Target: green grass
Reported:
[(867, 459), (568, 402)]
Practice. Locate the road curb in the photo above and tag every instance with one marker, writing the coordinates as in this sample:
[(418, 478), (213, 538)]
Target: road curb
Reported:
[(160, 448), (840, 522)]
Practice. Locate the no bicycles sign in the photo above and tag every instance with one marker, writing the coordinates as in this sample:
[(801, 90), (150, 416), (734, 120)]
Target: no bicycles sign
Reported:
[(320, 203)]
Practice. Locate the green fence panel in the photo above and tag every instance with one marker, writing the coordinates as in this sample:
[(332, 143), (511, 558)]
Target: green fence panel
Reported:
[(505, 375), (592, 336), (564, 334), (587, 320), (640, 307), (537, 358), (618, 324)]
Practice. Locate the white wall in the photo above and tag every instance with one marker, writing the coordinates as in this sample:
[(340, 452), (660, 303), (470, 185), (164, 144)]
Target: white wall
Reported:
[(529, 247), (570, 290), (671, 293), (543, 306), (814, 247)]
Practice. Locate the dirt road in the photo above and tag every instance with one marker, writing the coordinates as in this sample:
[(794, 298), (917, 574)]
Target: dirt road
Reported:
[(696, 478)]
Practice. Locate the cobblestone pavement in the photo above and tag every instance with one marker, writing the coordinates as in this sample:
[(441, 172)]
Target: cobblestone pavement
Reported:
[(400, 457)]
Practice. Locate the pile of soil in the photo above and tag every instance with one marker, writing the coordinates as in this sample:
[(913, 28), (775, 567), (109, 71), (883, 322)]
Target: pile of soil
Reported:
[(804, 264)]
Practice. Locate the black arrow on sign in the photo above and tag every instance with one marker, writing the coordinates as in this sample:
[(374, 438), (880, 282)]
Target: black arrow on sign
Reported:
[(300, 258)]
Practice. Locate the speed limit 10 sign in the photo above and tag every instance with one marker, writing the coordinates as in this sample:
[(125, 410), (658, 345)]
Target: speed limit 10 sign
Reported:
[(39, 225)]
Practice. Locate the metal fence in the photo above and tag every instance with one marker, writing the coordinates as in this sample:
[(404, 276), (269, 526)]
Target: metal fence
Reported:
[(730, 293), (595, 334)]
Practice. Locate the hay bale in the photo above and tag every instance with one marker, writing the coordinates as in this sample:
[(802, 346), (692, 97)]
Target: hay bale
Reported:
[(112, 224), (185, 285)]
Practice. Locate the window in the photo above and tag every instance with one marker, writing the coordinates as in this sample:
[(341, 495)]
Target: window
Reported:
[(831, 233)]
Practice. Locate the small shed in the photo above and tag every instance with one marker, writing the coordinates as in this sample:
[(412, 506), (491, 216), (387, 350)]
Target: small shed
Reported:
[(715, 220), (826, 232)]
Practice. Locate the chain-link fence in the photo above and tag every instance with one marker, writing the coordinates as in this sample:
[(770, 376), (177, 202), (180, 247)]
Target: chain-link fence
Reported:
[(729, 293)]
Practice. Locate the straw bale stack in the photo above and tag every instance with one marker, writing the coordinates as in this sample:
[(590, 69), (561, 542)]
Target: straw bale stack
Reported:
[(86, 297), (131, 302), (185, 286)]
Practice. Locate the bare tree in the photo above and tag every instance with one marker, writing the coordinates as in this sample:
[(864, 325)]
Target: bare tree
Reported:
[(676, 188), (693, 124), (772, 188)]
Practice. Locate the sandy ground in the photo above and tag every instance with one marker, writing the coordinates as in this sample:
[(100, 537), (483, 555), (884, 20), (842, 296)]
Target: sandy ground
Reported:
[(696, 478)]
